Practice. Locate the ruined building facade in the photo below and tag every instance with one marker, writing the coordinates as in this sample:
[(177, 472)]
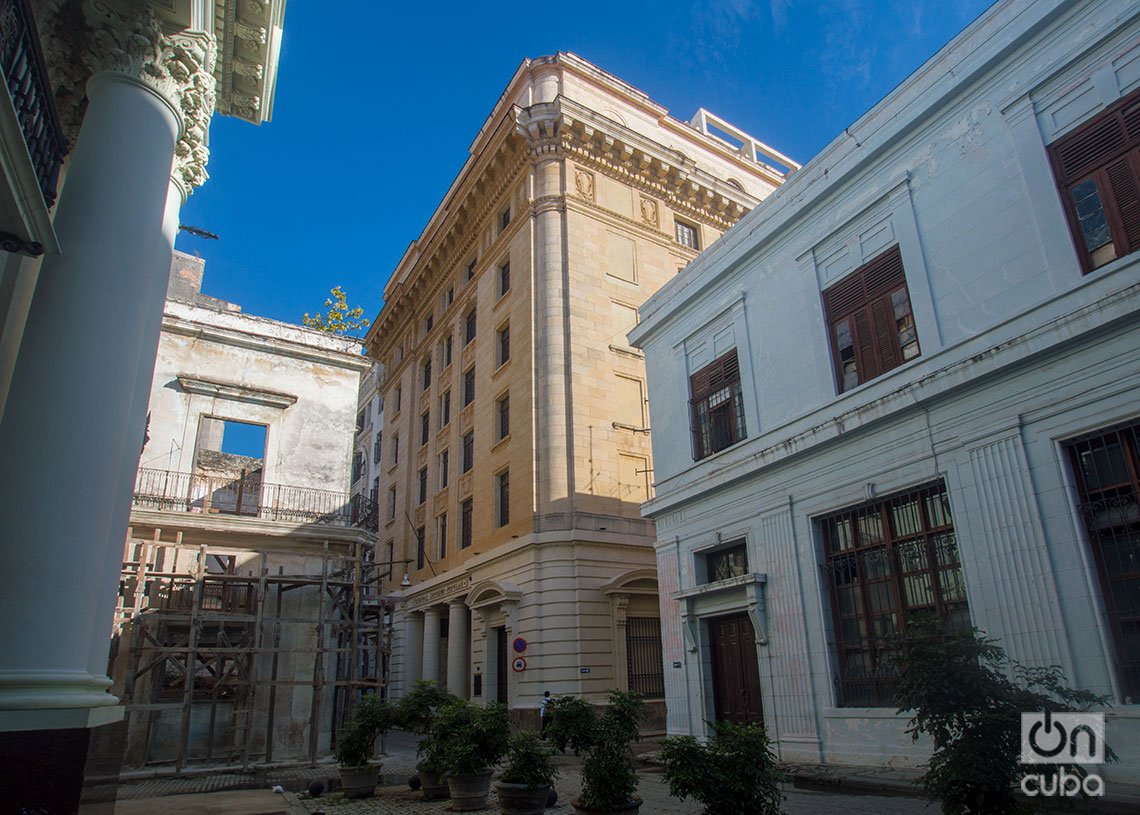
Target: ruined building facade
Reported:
[(248, 619)]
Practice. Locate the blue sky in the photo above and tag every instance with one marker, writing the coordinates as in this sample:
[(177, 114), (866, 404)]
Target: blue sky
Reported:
[(377, 104)]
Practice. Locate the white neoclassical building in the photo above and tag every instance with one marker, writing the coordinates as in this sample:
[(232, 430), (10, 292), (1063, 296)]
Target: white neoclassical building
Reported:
[(907, 381), (103, 129)]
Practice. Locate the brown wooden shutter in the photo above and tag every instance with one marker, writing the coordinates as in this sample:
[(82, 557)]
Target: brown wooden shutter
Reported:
[(1085, 149), (715, 375), (886, 333), (865, 356), (1122, 182)]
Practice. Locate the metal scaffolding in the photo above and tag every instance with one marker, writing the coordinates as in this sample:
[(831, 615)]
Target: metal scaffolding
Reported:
[(233, 655)]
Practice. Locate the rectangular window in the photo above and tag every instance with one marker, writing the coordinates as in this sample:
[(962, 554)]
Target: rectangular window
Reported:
[(445, 409), (399, 398), (420, 553), (686, 234), (503, 411), (885, 561), (504, 279), (469, 327), (504, 345), (425, 427), (466, 519), (441, 533), (717, 406), (731, 561), (468, 451), (423, 485), (444, 468), (377, 447), (870, 321), (470, 275), (395, 448), (644, 664), (447, 298), (1106, 468), (503, 498), (357, 466), (427, 375), (1097, 168), (391, 503), (505, 218), (446, 351), (429, 323), (468, 386)]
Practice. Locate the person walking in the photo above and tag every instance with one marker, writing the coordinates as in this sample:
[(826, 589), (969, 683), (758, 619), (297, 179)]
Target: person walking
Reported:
[(545, 713)]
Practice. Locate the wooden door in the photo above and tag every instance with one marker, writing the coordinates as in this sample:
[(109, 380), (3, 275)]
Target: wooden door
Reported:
[(735, 671), (504, 665)]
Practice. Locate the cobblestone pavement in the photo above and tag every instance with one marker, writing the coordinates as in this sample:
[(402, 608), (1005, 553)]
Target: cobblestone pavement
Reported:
[(393, 800)]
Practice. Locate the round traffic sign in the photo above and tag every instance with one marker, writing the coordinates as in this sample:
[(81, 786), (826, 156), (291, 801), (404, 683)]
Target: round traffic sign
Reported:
[(519, 665), (519, 645)]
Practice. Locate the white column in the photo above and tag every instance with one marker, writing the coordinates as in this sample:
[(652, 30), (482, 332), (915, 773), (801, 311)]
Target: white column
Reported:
[(413, 650), (431, 644), (136, 424), (66, 431), (458, 652), (490, 660)]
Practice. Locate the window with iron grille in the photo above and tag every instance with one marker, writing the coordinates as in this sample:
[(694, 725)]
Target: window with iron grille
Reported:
[(870, 322), (687, 235), (643, 658), (717, 406), (420, 553), (503, 498), (504, 411), (469, 327), (504, 279), (731, 561), (1106, 468), (468, 386), (504, 344), (1097, 168), (468, 451), (466, 519), (885, 562)]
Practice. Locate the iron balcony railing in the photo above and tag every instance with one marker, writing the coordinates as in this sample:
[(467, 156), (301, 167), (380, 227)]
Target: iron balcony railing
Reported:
[(25, 73), (248, 496)]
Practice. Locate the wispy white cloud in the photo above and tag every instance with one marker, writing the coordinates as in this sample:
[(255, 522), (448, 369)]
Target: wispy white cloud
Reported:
[(849, 44)]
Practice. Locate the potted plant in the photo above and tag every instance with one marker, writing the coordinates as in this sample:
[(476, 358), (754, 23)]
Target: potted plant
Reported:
[(470, 738), (525, 784), (355, 742), (735, 772), (609, 780), (416, 712)]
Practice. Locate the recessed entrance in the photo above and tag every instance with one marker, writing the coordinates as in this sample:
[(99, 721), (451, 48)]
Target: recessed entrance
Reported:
[(735, 672)]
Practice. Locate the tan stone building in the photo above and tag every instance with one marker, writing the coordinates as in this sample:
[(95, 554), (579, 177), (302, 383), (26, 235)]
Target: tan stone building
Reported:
[(516, 447)]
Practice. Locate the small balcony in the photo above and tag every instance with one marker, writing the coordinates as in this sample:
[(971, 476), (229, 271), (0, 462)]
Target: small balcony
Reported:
[(31, 136), (246, 495)]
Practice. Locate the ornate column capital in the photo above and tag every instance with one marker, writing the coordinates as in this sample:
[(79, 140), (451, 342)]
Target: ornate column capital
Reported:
[(178, 67)]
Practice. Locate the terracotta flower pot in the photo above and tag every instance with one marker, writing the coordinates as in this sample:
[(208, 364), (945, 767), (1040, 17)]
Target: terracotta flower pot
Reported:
[(519, 799), (359, 782), (469, 790)]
